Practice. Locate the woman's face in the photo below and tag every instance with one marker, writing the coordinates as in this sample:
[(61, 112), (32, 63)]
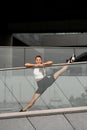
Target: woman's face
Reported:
[(38, 60)]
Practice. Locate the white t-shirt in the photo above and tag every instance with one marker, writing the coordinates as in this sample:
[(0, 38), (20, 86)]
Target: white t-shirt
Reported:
[(39, 73)]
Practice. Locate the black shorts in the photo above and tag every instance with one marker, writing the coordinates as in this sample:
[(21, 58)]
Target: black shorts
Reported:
[(44, 83)]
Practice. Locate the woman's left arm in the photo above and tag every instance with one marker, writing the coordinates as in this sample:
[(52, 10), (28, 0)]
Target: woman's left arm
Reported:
[(48, 63)]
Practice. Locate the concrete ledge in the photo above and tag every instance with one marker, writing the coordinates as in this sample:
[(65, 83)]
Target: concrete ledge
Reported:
[(43, 112)]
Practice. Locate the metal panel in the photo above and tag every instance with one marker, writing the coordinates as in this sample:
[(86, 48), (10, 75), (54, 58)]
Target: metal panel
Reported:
[(15, 124), (78, 120), (52, 122), (55, 39)]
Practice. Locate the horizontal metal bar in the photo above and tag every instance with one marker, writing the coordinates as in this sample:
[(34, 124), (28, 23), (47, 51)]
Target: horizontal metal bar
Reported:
[(74, 63), (43, 112), (13, 68), (60, 64)]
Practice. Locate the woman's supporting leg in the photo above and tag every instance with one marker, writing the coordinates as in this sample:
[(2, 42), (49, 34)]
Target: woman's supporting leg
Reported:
[(34, 98)]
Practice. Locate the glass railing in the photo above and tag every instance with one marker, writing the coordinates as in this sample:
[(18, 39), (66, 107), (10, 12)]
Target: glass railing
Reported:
[(18, 85)]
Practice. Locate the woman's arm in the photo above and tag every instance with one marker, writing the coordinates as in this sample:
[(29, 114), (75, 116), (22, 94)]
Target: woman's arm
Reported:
[(28, 65), (48, 63)]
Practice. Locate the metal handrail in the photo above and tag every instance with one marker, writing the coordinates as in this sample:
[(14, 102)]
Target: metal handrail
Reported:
[(60, 64), (43, 112)]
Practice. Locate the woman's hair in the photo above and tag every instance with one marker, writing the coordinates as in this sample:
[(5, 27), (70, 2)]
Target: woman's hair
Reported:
[(38, 56)]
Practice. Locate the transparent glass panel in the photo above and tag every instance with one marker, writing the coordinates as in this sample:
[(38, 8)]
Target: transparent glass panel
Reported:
[(18, 86)]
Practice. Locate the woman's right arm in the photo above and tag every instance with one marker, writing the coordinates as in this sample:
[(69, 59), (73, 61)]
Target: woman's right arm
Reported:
[(28, 65)]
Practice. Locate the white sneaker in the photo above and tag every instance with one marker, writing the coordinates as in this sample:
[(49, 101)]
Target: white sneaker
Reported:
[(73, 58)]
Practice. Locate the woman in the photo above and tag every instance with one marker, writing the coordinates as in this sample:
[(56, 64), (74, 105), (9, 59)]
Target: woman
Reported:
[(42, 80)]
